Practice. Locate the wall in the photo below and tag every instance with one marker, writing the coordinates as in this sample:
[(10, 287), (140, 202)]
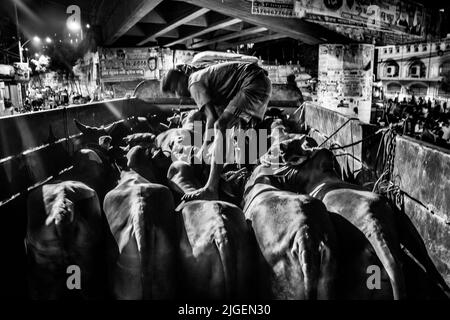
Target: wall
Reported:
[(421, 170), (423, 173), (35, 146), (325, 122)]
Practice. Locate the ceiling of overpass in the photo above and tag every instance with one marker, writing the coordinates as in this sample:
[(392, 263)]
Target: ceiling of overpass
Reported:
[(199, 24), (195, 24)]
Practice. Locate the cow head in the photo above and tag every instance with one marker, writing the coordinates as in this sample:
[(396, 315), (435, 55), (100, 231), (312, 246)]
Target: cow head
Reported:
[(301, 177), (93, 167), (139, 159)]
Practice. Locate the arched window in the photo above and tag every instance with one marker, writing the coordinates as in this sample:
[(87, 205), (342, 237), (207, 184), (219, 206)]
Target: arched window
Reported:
[(418, 89), (444, 68), (417, 69), (393, 88), (391, 69)]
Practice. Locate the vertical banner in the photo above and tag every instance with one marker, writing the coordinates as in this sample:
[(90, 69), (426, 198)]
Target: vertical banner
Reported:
[(345, 79)]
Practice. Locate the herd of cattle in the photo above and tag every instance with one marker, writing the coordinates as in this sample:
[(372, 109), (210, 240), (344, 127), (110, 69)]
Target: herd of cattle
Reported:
[(298, 233)]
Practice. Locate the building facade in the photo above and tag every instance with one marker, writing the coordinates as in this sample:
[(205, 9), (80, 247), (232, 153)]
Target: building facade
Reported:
[(414, 69)]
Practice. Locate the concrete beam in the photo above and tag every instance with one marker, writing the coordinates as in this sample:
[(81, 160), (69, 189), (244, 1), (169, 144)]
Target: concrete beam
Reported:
[(191, 15), (233, 35), (265, 38), (125, 16), (198, 22), (213, 27), (299, 29), (153, 17)]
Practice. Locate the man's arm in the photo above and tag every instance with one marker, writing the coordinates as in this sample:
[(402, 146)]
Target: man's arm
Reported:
[(210, 190)]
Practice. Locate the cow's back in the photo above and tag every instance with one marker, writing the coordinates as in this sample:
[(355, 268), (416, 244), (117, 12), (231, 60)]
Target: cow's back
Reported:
[(64, 229), (141, 219), (216, 253), (297, 245)]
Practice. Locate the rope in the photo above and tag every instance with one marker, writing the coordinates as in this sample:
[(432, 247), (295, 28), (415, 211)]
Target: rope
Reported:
[(357, 142), (337, 130)]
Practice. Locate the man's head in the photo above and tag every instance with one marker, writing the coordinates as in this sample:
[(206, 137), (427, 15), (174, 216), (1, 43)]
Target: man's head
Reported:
[(151, 63), (176, 82)]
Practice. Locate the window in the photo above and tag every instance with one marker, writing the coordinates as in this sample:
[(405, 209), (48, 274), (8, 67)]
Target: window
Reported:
[(408, 49), (444, 68), (393, 88), (416, 48), (418, 89), (397, 49), (390, 50), (417, 69), (391, 69), (424, 48), (385, 51)]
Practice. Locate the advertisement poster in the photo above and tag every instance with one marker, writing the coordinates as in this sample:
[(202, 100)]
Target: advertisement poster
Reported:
[(345, 79), (127, 64), (277, 8), (391, 16), (184, 56), (278, 73)]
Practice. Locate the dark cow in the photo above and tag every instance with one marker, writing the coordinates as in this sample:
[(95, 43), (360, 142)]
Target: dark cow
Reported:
[(65, 228), (140, 213), (365, 210), (296, 239), (214, 243)]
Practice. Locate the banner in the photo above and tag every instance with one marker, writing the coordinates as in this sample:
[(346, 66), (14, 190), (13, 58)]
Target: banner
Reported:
[(278, 73), (128, 64), (345, 79), (277, 8), (392, 16)]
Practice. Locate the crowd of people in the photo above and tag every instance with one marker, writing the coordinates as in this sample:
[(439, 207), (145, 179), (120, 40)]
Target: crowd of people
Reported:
[(422, 119), (45, 99)]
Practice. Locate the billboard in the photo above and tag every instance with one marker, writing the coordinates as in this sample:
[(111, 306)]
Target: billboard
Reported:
[(394, 16), (276, 8), (128, 64), (345, 79), (360, 20)]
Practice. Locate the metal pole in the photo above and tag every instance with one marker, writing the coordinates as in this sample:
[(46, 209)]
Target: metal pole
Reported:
[(18, 33)]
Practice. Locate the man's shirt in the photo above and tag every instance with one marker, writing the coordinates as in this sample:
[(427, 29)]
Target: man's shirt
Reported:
[(220, 83)]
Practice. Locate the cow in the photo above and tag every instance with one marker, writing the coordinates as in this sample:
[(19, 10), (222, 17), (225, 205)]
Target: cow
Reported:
[(214, 243), (140, 214), (296, 240), (66, 231), (374, 225)]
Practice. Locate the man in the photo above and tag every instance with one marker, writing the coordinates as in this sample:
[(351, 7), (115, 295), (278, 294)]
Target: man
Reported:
[(230, 94), (292, 85)]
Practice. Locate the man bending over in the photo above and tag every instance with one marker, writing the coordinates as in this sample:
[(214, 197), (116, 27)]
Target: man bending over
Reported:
[(230, 94)]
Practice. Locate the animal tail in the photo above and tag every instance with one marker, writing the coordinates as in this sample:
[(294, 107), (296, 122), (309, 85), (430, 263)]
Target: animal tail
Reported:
[(226, 258), (305, 248), (391, 263), (138, 224), (328, 267)]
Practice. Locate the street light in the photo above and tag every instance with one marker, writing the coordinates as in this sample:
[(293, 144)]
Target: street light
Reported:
[(48, 40), (35, 39)]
